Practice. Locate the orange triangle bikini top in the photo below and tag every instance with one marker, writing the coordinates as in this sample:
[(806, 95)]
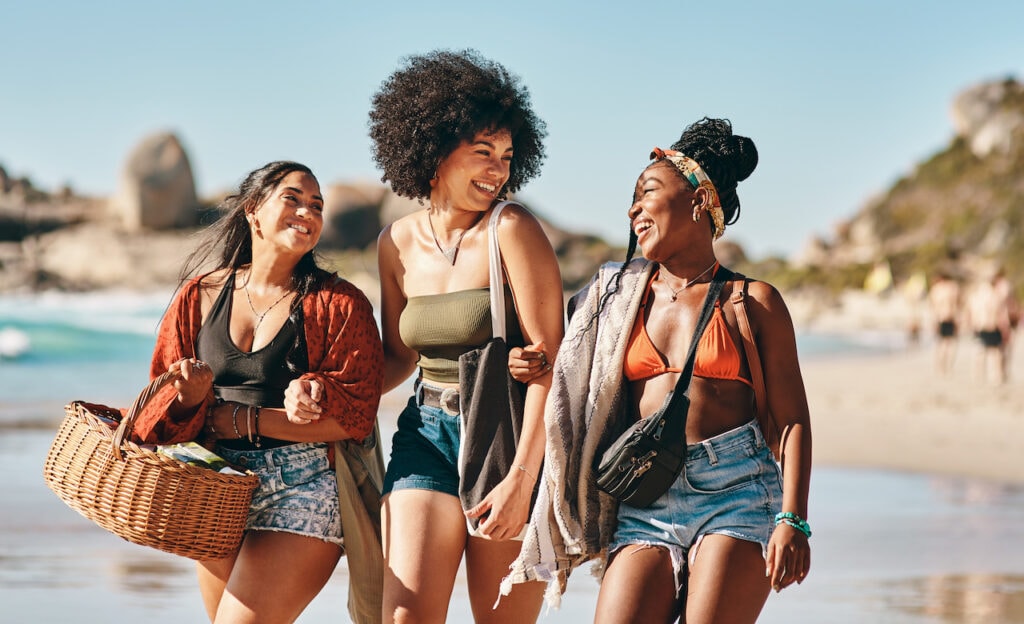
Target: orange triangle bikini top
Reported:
[(717, 355)]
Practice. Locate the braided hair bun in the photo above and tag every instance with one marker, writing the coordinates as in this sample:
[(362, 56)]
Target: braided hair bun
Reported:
[(727, 158)]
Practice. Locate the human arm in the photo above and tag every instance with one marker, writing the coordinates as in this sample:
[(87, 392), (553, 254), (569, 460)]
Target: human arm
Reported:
[(532, 271), (788, 557), (399, 360), (177, 411)]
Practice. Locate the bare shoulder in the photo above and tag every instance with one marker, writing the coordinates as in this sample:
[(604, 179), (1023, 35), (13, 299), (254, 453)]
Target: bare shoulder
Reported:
[(215, 279), (518, 226), (767, 302), (400, 230), (211, 283)]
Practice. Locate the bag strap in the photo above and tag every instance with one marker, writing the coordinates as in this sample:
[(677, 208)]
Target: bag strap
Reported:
[(768, 428), (494, 259), (718, 280), (739, 299)]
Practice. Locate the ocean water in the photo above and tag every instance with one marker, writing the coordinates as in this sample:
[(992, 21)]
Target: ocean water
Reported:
[(887, 547)]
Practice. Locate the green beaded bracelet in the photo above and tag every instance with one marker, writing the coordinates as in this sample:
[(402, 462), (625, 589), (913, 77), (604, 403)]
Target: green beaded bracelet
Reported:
[(793, 520)]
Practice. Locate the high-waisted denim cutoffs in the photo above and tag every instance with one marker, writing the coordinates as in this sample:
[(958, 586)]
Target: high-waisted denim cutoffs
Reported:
[(731, 486)]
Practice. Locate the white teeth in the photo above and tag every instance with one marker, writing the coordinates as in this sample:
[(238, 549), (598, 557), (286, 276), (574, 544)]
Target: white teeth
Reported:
[(487, 187), (301, 228), (639, 228)]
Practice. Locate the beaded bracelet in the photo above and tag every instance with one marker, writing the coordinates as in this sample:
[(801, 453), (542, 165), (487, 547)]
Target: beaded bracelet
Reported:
[(793, 520), (234, 420)]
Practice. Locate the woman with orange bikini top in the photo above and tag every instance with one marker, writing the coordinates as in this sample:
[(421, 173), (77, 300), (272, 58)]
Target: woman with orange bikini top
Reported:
[(732, 527)]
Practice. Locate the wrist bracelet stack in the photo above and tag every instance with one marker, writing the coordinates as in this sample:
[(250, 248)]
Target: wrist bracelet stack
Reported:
[(793, 520), (234, 420)]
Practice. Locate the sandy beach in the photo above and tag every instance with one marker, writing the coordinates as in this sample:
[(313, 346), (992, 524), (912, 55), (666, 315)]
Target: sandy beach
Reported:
[(894, 411), (917, 504)]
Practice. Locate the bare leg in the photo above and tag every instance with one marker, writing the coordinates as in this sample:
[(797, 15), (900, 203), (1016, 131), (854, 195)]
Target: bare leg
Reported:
[(945, 350), (994, 363), (638, 587), (275, 577), (213, 579), (424, 537), (726, 582), (487, 562)]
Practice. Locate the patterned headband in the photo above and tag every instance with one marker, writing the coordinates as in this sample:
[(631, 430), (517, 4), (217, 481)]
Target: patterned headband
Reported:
[(692, 171)]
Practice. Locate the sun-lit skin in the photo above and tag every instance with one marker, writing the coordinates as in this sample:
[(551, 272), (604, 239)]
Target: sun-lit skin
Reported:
[(467, 184), (291, 219), (470, 179)]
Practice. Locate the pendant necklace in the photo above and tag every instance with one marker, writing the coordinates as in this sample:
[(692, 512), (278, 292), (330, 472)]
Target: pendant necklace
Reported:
[(690, 282), (259, 317), (451, 253)]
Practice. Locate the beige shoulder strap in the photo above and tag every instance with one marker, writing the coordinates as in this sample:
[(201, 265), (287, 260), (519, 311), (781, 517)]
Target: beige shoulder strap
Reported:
[(764, 416)]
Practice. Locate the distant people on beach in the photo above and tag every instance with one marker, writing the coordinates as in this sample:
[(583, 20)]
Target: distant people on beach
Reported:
[(458, 130), (732, 527), (944, 299), (988, 312), (1005, 290), (277, 359)]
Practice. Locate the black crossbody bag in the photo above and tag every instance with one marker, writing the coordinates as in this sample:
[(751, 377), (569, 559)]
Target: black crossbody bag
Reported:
[(648, 457)]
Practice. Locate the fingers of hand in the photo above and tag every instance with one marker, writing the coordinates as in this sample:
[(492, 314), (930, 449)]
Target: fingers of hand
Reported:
[(786, 565), (301, 417), (316, 391)]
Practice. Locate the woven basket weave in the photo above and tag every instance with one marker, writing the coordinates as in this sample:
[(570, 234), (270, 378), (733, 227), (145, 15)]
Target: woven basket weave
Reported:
[(143, 496)]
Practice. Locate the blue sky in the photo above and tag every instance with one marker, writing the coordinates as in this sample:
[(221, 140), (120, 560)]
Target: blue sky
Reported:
[(842, 98)]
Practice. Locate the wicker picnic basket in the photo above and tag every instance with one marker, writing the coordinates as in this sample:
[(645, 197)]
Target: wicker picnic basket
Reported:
[(143, 496)]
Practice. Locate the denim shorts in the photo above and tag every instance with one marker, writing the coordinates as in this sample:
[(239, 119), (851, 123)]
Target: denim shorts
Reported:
[(424, 451), (731, 486), (298, 491)]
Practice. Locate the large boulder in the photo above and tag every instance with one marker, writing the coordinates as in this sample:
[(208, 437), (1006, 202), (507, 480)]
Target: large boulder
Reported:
[(352, 214), (156, 189)]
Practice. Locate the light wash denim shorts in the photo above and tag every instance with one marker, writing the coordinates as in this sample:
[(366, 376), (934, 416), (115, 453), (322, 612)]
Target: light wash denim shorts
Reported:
[(424, 451), (731, 486), (298, 491)]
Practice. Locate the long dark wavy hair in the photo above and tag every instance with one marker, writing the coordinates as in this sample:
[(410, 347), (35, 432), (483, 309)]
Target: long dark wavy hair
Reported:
[(227, 243), (435, 101), (727, 158)]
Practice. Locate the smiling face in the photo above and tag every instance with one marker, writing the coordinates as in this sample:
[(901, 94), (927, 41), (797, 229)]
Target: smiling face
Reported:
[(661, 214), (291, 218), (471, 177)]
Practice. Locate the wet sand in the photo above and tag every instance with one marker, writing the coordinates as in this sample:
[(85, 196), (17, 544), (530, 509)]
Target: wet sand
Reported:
[(917, 506), (895, 411)]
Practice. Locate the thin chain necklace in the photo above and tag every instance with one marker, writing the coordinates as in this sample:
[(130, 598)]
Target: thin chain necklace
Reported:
[(260, 317), (689, 282), (451, 253)]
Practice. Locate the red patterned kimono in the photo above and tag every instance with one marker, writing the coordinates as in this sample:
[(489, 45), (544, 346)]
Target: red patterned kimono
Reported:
[(344, 353)]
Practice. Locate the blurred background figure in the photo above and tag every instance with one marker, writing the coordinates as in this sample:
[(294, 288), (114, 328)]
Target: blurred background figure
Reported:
[(1005, 291), (944, 299), (988, 312)]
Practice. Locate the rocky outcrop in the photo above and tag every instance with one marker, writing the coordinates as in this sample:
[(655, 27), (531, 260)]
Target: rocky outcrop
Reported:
[(960, 208), (352, 214), (990, 116), (156, 189)]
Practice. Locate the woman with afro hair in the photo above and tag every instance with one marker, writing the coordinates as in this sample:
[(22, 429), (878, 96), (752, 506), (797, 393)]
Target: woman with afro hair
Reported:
[(732, 526), (457, 132)]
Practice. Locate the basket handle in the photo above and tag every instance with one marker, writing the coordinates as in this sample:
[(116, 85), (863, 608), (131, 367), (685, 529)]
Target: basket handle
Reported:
[(128, 422)]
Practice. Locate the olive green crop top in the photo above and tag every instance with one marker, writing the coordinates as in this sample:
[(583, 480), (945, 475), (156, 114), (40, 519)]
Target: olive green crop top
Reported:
[(442, 327)]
